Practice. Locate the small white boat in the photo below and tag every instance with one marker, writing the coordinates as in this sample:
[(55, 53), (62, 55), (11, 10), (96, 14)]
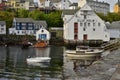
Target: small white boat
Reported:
[(38, 64), (38, 59), (84, 52)]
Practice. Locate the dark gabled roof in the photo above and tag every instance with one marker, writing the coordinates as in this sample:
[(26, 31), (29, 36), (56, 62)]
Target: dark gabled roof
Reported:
[(42, 22), (113, 25), (55, 1), (24, 19), (74, 4), (69, 12), (2, 22)]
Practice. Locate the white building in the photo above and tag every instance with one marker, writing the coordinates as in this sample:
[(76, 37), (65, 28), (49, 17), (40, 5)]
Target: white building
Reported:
[(97, 6), (64, 4), (43, 34), (26, 26), (2, 27), (57, 4), (84, 24), (114, 29)]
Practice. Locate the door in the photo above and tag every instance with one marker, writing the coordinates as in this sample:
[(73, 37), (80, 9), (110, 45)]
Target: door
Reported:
[(85, 37)]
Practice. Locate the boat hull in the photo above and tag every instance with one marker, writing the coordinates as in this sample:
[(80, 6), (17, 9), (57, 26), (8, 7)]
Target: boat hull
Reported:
[(38, 59), (72, 55)]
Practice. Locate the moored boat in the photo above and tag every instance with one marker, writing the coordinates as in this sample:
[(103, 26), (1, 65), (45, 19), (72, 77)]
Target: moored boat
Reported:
[(38, 59), (25, 43), (41, 44), (84, 52)]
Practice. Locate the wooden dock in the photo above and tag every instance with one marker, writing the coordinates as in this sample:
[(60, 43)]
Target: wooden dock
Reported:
[(116, 75), (113, 44)]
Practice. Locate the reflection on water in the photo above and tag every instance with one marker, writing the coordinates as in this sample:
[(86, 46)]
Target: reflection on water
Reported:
[(13, 63), (78, 63)]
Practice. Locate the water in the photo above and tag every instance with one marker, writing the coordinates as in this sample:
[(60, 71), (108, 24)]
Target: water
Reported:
[(13, 65)]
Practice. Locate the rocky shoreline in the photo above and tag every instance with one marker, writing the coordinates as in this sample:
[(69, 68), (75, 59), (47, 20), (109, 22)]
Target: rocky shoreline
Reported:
[(102, 69)]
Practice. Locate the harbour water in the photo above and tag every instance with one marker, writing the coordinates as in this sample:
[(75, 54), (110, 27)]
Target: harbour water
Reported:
[(13, 65)]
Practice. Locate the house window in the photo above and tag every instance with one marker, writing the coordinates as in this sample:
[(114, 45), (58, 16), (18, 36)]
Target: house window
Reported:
[(93, 24), (23, 28), (42, 31), (81, 24), (75, 27), (98, 24), (23, 24), (18, 28), (85, 24), (2, 29), (85, 36), (93, 29), (30, 28), (88, 24), (75, 36), (2, 25), (84, 29), (105, 35)]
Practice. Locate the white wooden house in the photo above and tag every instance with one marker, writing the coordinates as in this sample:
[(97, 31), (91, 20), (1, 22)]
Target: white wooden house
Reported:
[(43, 34), (26, 26), (114, 29), (84, 24), (57, 4)]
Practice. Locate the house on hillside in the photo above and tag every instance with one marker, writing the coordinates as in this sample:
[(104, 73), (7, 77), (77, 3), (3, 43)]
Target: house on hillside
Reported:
[(55, 4), (21, 4), (83, 25), (26, 26), (96, 5), (114, 29), (2, 27)]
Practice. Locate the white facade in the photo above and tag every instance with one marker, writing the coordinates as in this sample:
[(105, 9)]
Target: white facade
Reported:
[(100, 7), (89, 26), (60, 5), (2, 27), (47, 3), (114, 29), (44, 32), (114, 33), (64, 4)]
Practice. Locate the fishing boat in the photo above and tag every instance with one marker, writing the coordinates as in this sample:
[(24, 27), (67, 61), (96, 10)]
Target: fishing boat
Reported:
[(84, 52), (25, 43), (38, 59), (82, 48), (41, 44)]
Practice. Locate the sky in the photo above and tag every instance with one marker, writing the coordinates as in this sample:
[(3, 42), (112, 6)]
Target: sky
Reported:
[(111, 2)]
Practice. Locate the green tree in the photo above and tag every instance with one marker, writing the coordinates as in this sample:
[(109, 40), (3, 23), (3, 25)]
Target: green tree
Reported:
[(22, 13), (54, 19), (37, 15)]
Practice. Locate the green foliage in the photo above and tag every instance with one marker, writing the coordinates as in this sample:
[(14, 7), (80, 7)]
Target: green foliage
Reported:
[(109, 17), (54, 19), (8, 17), (22, 13), (36, 15)]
